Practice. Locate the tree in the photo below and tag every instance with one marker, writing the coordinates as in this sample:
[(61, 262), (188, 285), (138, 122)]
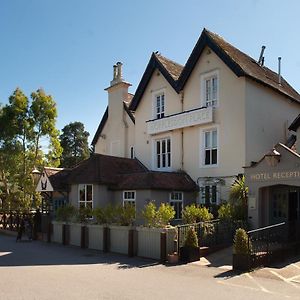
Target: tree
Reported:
[(24, 124), (74, 141)]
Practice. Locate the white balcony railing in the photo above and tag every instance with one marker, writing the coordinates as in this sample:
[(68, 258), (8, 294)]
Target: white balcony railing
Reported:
[(203, 115)]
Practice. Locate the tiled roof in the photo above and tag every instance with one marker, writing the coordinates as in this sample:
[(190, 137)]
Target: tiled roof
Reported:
[(103, 169), (239, 62), (171, 66), (252, 69), (119, 173), (157, 181), (58, 177)]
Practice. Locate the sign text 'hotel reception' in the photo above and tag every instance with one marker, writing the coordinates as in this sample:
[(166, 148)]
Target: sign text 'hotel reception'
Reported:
[(275, 175), (185, 119)]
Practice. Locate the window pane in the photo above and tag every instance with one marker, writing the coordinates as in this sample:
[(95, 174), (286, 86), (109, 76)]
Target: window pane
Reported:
[(207, 157), (207, 139), (82, 193), (208, 89), (158, 147), (214, 139), (158, 161), (89, 193), (214, 159), (214, 88), (207, 194), (169, 145), (163, 160), (214, 194), (163, 146)]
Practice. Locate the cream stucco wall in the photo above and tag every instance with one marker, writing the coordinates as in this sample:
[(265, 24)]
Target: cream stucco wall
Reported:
[(144, 143), (118, 134), (268, 115)]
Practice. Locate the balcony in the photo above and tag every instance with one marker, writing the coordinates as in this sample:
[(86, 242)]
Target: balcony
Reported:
[(198, 116)]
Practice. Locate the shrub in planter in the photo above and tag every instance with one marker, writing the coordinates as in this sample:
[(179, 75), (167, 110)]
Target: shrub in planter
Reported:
[(127, 214), (190, 250), (66, 213), (160, 217), (84, 214), (99, 216), (242, 248), (149, 214), (194, 213)]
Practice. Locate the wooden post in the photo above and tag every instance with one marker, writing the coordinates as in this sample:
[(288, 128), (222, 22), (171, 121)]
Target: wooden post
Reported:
[(163, 247), (106, 239), (83, 242), (49, 231), (65, 234), (131, 242)]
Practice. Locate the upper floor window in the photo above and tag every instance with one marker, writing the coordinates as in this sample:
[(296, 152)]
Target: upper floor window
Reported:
[(85, 195), (210, 89), (210, 147), (160, 106), (176, 200), (163, 153)]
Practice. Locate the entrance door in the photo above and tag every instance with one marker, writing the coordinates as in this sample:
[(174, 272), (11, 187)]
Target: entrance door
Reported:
[(293, 205)]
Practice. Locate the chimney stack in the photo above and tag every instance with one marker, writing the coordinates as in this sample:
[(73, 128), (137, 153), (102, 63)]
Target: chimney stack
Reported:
[(117, 74)]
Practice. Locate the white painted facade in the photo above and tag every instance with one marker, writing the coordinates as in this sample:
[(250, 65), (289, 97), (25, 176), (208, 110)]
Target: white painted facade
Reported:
[(247, 120)]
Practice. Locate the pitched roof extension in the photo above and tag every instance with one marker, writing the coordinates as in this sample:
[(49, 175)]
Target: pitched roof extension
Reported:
[(295, 124), (58, 177), (239, 62)]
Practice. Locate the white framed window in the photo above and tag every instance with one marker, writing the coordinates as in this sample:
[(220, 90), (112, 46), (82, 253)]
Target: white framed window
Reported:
[(176, 200), (163, 153), (85, 195), (210, 147), (210, 88), (159, 106), (132, 154), (129, 198), (209, 194)]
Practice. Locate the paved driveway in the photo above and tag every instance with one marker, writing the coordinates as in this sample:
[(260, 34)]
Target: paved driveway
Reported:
[(39, 270)]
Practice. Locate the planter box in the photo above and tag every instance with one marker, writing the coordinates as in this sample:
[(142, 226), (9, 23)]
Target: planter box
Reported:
[(95, 237), (149, 241), (241, 262), (188, 254), (57, 231), (118, 239), (75, 234)]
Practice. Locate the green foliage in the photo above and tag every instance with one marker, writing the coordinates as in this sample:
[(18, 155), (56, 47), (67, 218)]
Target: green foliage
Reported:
[(191, 240), (127, 215), (99, 215), (84, 214), (149, 214), (238, 197), (193, 214), (241, 244), (66, 213), (225, 212), (158, 217), (24, 124), (164, 214), (74, 141)]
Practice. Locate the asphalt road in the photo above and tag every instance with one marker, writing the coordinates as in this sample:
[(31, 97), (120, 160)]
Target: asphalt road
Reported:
[(37, 270)]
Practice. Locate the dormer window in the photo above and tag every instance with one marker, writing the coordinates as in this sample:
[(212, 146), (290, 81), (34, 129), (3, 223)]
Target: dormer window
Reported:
[(210, 89), (160, 106)]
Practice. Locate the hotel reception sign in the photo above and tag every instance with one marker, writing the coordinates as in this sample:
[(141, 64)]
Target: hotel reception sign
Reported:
[(185, 119), (281, 175)]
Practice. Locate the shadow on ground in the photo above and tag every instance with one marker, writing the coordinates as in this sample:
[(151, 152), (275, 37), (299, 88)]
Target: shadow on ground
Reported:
[(37, 253)]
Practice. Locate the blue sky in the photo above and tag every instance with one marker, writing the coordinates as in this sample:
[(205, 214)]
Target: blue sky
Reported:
[(68, 47)]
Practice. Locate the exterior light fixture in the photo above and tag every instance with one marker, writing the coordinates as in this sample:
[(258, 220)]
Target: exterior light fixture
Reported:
[(273, 157)]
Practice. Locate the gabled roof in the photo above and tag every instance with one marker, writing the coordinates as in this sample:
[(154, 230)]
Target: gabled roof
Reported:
[(167, 67), (58, 177), (295, 124), (240, 63), (105, 117)]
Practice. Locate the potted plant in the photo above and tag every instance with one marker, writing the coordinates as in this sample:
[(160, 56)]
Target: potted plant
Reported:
[(242, 248), (190, 250)]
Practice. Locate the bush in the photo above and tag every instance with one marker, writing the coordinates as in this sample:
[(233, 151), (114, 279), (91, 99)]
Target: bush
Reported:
[(193, 214), (127, 215), (149, 214), (191, 240), (99, 215), (225, 212), (84, 214), (160, 217), (241, 245), (66, 213), (165, 214)]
